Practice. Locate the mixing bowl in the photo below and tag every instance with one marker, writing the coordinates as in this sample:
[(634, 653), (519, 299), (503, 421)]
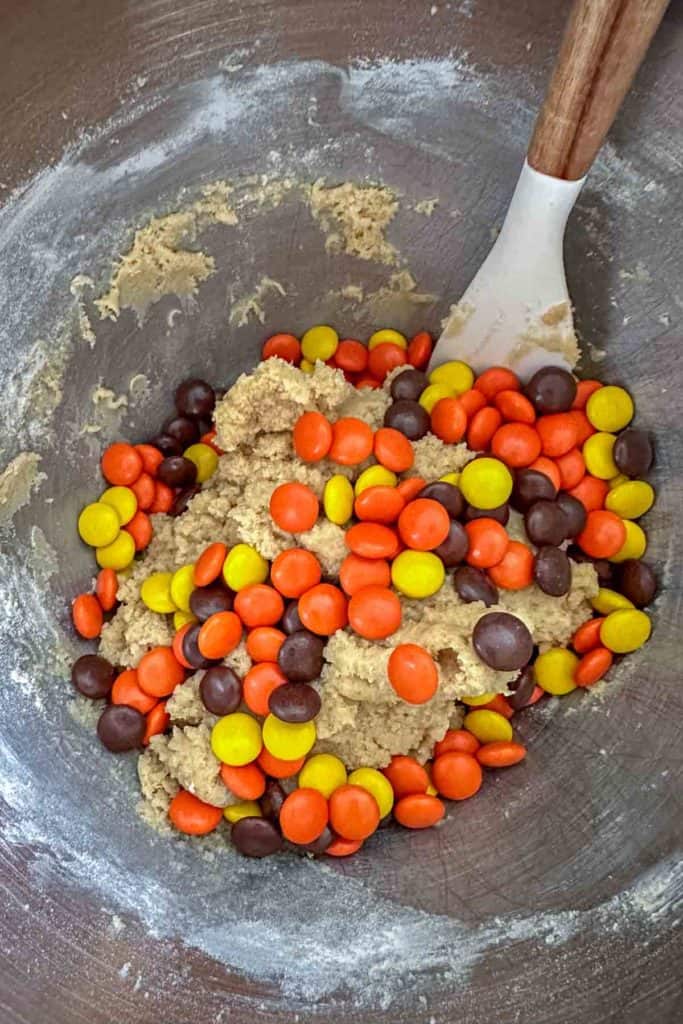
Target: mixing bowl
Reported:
[(556, 895)]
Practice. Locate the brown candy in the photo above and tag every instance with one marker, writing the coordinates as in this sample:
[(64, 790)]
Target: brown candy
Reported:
[(474, 585), (93, 676), (502, 641), (501, 514), (195, 398), (632, 452), (301, 656), (409, 384), (552, 571), (183, 429), (272, 800), (294, 702), (531, 486), (545, 523), (167, 445), (191, 651), (220, 690), (447, 495), (206, 601), (454, 548), (256, 837), (291, 620), (638, 582), (575, 514), (522, 688), (177, 471), (182, 500), (320, 844), (408, 417), (551, 389), (121, 728)]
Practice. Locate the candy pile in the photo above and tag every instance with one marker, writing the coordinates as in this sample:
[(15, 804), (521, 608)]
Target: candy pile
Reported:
[(556, 476)]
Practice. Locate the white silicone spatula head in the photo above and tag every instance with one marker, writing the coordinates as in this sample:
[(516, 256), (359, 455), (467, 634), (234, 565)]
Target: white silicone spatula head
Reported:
[(517, 312)]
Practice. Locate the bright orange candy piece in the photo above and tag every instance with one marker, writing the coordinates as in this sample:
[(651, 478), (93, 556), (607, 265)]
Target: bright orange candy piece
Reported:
[(354, 813), (258, 684), (419, 810), (495, 379), (106, 588), (121, 464), (379, 504), (264, 643), (549, 468), (558, 433), (593, 666), (587, 636), (457, 739), (295, 571), (514, 407), (323, 609), (151, 458), (603, 534), (163, 498), (572, 467), (209, 438), (312, 436), (410, 488), (276, 767), (294, 507), (159, 672), (498, 703), (127, 691), (488, 542), (584, 389), (144, 491), (259, 605), (423, 524), (375, 613), (591, 492), (472, 401), (420, 349), (192, 816), (356, 572), (209, 565), (412, 673), (516, 444), (393, 450), (343, 847), (351, 356), (406, 776), (352, 441), (246, 781), (516, 568), (366, 381), (158, 720), (372, 540), (141, 530), (303, 816), (584, 427), (386, 357), (86, 613), (501, 754), (449, 420), (482, 427), (219, 635), (284, 346), (457, 775)]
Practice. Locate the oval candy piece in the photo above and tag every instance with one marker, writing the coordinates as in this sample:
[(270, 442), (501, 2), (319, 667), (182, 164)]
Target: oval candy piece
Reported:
[(552, 571), (474, 585), (301, 656), (206, 601), (502, 641), (633, 452), (447, 495), (638, 582), (93, 676), (409, 417), (545, 523), (221, 690), (256, 837), (294, 702), (551, 389), (409, 384), (121, 728)]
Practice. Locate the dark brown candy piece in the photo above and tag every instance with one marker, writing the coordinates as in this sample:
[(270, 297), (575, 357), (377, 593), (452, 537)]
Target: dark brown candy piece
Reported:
[(191, 651), (575, 514), (206, 601), (272, 800), (408, 417), (502, 641), (183, 429), (638, 582), (632, 452), (177, 471), (501, 514), (220, 690), (195, 398), (455, 547), (294, 702), (121, 728), (531, 486), (603, 568), (552, 571), (256, 837), (320, 844), (409, 384), (551, 389), (167, 445), (301, 656), (93, 676), (291, 621), (447, 495), (545, 523), (182, 500), (522, 688), (474, 585)]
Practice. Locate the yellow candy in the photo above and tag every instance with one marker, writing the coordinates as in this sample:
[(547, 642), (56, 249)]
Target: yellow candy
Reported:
[(451, 478), (554, 671), (635, 544), (204, 458), (306, 367), (417, 573), (243, 567), (610, 408), (387, 335), (488, 726), (156, 593), (319, 343), (631, 500), (181, 619), (625, 630), (486, 483), (338, 499), (323, 772), (123, 501), (244, 809), (620, 478), (432, 394), (374, 476), (98, 524), (288, 740), (118, 555), (431, 790), (182, 585), (236, 739), (483, 698), (597, 451), (606, 601), (377, 785), (454, 375)]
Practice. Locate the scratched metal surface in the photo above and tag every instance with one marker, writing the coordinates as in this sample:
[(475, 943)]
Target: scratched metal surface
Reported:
[(560, 887)]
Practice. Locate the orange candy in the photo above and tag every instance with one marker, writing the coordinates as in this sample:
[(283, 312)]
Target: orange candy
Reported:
[(246, 781), (419, 350), (209, 565), (558, 433), (159, 672), (312, 436), (284, 346), (584, 427), (151, 458), (516, 444), (514, 407), (457, 739), (410, 488), (158, 720), (419, 811), (549, 468), (375, 613), (488, 542), (496, 379), (264, 643), (386, 357), (106, 588), (86, 613), (516, 569), (352, 441), (121, 464), (303, 816), (372, 540), (482, 427), (412, 673), (603, 534), (501, 754), (259, 605), (177, 645), (366, 381), (498, 703), (472, 401), (354, 813), (209, 439), (593, 666), (276, 767), (379, 504), (423, 524), (591, 492), (144, 490), (587, 636), (295, 571), (219, 635), (163, 498), (449, 420), (192, 816), (584, 389), (356, 573), (127, 691), (457, 775), (572, 467), (323, 609), (260, 681), (141, 530), (406, 776), (351, 356), (294, 507), (343, 847), (393, 450)]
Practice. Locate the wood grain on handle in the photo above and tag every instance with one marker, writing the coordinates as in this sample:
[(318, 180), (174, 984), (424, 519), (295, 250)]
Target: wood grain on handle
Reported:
[(603, 46)]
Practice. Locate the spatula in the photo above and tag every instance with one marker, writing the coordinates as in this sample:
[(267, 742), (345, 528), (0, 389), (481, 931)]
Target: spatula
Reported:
[(516, 312)]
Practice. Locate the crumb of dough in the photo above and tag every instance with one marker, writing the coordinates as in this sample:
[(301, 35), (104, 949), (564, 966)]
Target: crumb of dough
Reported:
[(433, 458), (426, 206), (251, 307), (354, 218), (187, 755), (158, 787), (17, 482), (551, 331)]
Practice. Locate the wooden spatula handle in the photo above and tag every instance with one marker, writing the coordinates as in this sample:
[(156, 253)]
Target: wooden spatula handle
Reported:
[(603, 46)]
